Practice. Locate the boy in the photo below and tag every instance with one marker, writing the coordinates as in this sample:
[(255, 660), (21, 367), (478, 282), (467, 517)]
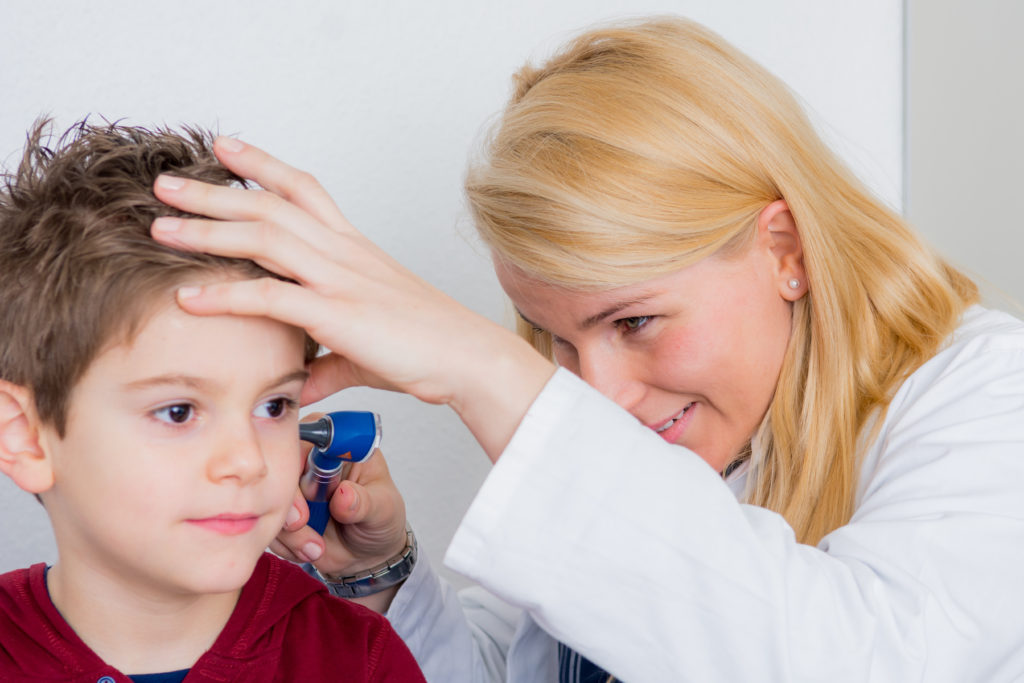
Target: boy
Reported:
[(163, 446)]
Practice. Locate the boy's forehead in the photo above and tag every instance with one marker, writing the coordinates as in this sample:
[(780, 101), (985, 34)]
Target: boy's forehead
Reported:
[(168, 342)]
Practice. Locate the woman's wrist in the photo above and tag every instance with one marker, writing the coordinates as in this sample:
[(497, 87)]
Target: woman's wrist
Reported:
[(379, 602), (500, 389), (363, 562), (375, 579)]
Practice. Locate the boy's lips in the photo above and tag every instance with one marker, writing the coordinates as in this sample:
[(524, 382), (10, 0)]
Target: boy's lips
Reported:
[(672, 429), (227, 524)]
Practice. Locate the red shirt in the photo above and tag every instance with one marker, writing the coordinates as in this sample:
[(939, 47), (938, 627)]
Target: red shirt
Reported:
[(285, 627)]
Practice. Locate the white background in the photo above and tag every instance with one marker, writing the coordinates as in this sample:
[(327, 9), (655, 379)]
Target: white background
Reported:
[(384, 102), (965, 138)]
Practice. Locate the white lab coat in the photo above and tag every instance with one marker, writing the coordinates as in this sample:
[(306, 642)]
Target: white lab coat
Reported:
[(636, 554)]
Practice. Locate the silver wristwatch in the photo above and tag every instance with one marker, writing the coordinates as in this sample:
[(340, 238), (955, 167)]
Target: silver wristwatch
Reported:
[(374, 579)]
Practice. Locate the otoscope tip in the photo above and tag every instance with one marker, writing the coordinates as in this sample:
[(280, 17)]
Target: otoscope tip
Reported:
[(318, 433)]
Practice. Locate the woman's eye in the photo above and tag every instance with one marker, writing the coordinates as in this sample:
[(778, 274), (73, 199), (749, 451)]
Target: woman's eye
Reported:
[(635, 323), (178, 413), (557, 341), (275, 408)]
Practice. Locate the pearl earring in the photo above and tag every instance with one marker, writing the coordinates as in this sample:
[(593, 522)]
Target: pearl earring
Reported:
[(794, 284)]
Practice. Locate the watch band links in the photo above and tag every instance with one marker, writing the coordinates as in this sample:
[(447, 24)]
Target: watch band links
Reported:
[(374, 579)]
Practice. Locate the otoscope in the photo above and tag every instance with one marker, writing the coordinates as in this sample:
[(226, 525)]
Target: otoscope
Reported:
[(345, 436)]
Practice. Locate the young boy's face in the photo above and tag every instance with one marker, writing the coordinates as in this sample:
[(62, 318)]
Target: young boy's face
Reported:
[(181, 454)]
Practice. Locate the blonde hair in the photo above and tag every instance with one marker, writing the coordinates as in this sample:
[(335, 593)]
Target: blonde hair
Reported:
[(640, 149)]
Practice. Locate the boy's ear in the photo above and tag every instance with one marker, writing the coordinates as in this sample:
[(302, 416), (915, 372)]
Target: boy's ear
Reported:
[(22, 458)]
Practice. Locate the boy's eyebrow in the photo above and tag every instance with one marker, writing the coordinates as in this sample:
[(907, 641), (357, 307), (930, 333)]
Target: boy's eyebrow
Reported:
[(181, 379)]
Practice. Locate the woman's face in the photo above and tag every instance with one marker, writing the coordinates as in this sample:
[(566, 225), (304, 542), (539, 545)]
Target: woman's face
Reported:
[(694, 355)]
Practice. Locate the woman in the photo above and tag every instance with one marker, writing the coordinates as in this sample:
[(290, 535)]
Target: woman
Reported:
[(674, 234)]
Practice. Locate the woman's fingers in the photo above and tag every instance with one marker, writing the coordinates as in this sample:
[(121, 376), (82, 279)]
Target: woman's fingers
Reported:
[(299, 513), (368, 523), (278, 547), (249, 240), (239, 204), (222, 201), (297, 542), (369, 512), (349, 504), (298, 187), (388, 328), (266, 297), (301, 545), (268, 244), (326, 374), (294, 305)]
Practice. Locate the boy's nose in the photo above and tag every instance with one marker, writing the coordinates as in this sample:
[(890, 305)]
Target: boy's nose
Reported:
[(238, 455)]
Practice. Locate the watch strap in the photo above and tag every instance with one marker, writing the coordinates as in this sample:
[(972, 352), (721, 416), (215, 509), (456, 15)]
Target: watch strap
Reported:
[(375, 579)]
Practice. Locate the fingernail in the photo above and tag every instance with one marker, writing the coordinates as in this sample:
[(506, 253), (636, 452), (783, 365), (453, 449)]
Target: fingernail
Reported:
[(355, 501), (312, 551), (170, 182), (293, 516), (230, 144), (188, 292), (167, 224)]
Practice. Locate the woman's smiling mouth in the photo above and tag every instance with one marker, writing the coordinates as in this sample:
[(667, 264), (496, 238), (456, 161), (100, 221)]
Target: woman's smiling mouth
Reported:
[(672, 428)]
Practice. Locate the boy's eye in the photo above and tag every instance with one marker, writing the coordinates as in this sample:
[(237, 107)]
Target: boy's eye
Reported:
[(275, 407), (179, 413)]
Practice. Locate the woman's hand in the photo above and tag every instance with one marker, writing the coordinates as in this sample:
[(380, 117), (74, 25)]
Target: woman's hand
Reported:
[(367, 527), (367, 523), (385, 327)]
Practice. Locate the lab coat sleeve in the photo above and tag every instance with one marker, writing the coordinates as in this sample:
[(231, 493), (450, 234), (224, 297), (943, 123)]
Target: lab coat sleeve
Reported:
[(456, 637), (635, 553)]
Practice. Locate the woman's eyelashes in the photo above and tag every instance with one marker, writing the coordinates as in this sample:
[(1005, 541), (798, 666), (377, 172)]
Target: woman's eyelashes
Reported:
[(633, 323), (629, 325), (558, 341)]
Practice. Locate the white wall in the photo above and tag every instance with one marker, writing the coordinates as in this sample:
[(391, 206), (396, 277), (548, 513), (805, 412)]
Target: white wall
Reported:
[(965, 137), (383, 101)]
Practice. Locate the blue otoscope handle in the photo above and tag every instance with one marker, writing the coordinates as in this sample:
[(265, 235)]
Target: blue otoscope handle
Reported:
[(345, 436), (319, 515)]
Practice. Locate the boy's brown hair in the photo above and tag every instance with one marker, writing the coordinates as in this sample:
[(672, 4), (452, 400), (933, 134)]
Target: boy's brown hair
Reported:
[(78, 268)]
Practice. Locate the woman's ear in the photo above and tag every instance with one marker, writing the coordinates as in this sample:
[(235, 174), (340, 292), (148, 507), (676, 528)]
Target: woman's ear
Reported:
[(22, 457), (778, 231)]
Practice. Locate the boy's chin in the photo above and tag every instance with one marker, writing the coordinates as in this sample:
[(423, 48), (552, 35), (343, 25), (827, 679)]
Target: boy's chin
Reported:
[(225, 579), (225, 574)]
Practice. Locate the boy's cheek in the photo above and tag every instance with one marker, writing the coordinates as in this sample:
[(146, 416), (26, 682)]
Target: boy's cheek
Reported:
[(290, 464)]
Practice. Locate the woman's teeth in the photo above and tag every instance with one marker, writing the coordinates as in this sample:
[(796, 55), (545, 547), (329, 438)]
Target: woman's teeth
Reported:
[(673, 420)]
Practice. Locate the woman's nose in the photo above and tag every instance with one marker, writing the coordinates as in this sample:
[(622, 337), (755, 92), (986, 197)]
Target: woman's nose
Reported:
[(612, 374)]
